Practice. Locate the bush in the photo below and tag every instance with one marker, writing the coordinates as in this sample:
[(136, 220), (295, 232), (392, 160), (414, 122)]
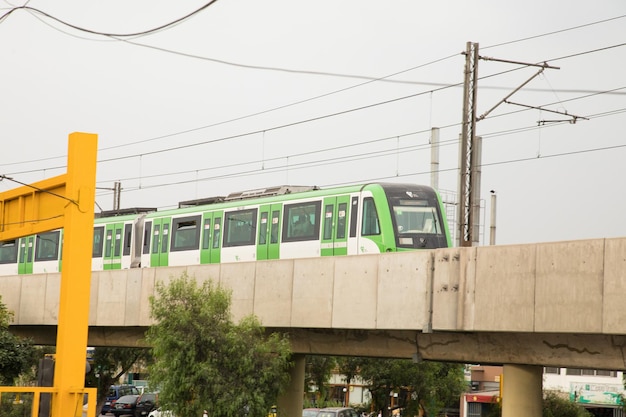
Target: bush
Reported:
[(556, 406)]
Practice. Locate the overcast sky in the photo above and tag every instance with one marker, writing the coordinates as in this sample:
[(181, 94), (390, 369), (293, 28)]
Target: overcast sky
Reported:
[(246, 94)]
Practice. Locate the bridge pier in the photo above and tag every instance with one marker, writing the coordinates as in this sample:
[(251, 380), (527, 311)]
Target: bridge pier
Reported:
[(290, 404), (522, 391)]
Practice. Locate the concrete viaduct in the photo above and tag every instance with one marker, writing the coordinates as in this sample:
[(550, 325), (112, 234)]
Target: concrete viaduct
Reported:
[(525, 306)]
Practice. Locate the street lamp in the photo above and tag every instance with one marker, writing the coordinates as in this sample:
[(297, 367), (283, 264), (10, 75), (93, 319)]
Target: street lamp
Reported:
[(345, 390)]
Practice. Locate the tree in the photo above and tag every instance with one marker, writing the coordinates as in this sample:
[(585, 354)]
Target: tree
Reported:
[(109, 364), (202, 360), (317, 372), (555, 406), (17, 355), (427, 386)]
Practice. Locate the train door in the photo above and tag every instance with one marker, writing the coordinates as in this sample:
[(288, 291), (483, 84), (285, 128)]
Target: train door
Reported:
[(160, 242), (25, 258), (335, 226), (211, 237), (268, 245), (113, 246)]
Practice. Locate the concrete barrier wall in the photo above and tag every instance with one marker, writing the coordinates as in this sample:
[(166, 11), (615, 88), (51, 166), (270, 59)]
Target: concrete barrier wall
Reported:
[(560, 287)]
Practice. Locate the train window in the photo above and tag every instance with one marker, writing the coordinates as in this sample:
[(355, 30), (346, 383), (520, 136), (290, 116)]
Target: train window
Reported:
[(155, 240), (206, 237), (370, 225), (239, 227), (328, 222), (128, 229), (47, 246), (341, 220), (263, 229), (98, 235), (165, 237), (217, 229), (185, 233), (275, 225), (118, 242), (301, 221), (8, 252), (415, 218), (147, 234)]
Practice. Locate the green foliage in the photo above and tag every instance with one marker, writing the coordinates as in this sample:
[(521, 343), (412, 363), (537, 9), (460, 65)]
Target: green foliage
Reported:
[(428, 386), (556, 406), (349, 367), (202, 360), (109, 364), (553, 406), (16, 405), (317, 372), (17, 354)]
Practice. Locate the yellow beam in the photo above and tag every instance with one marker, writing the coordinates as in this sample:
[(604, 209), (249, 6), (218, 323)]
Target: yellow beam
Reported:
[(71, 349), (66, 201), (32, 208)]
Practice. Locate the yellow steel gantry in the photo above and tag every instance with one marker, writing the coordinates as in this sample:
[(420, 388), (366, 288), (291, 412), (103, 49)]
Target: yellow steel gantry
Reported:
[(66, 201)]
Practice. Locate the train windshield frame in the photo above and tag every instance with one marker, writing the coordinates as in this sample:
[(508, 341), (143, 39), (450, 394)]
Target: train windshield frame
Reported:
[(417, 219)]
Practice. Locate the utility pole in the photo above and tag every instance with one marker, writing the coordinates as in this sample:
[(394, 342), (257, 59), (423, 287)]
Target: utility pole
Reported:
[(434, 158), (470, 145), (468, 188), (117, 194)]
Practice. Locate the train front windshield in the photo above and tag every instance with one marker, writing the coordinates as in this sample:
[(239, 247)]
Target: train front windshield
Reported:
[(417, 221)]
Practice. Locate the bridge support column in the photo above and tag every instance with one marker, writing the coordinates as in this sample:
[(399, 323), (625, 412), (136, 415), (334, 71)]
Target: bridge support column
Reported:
[(290, 404), (522, 391)]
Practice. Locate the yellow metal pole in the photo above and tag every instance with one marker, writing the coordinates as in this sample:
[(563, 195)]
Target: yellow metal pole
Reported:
[(72, 330)]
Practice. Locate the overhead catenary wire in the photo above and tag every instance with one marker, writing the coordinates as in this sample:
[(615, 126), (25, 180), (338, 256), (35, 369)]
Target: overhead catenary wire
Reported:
[(443, 142), (258, 131), (371, 79), (457, 84), (399, 175), (369, 155)]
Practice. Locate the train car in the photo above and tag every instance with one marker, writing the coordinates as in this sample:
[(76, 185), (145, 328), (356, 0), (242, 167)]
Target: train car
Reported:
[(35, 254), (360, 219), (274, 223)]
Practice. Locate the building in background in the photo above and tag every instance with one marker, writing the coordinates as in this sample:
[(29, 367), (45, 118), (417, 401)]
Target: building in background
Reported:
[(599, 391)]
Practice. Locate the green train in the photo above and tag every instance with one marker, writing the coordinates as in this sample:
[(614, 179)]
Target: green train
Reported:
[(273, 223)]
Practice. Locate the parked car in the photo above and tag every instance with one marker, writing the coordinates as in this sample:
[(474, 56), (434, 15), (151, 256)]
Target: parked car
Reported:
[(125, 406), (147, 402), (337, 412), (310, 412), (117, 391)]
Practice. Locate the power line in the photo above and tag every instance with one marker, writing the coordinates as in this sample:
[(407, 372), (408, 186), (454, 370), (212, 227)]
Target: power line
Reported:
[(351, 158), (259, 131), (555, 32), (109, 34), (484, 135), (398, 175), (314, 118), (370, 79)]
